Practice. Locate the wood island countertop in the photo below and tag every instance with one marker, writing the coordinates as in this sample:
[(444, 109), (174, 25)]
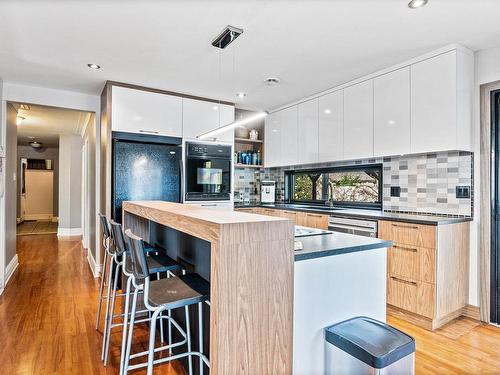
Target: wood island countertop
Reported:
[(251, 281)]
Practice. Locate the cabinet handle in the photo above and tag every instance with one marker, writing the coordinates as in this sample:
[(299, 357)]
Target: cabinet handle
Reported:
[(404, 281), (405, 226), (314, 215), (209, 205), (148, 131), (405, 248)]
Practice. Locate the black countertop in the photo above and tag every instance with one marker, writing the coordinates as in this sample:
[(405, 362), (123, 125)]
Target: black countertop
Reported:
[(336, 244), (364, 214)]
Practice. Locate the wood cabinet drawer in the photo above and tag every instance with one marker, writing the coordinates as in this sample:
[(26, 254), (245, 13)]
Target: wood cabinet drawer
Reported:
[(411, 262), (414, 296), (247, 210), (408, 234), (269, 212), (292, 215), (316, 221)]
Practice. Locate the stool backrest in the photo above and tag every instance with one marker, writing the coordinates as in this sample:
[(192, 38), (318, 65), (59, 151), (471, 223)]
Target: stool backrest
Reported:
[(139, 263), (118, 239), (104, 225)]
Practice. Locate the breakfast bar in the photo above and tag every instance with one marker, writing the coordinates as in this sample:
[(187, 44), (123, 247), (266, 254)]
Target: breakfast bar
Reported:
[(251, 281)]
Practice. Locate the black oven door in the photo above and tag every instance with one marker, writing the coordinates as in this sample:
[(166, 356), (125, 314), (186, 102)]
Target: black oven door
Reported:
[(208, 178)]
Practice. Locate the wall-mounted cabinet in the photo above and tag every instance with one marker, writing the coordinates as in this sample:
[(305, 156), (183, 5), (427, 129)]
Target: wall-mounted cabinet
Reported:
[(307, 132), (358, 121), (441, 97), (200, 117), (423, 106), (138, 111), (391, 112), (331, 126)]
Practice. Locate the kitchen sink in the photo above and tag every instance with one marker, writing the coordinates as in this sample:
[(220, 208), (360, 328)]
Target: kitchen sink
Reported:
[(301, 231)]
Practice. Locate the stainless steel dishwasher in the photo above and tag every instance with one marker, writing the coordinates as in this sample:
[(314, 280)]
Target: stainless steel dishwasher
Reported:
[(361, 227)]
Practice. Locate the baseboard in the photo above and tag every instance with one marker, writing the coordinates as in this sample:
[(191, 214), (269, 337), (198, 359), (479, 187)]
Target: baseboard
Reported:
[(10, 269), (68, 232), (472, 312), (93, 266), (38, 217), (55, 219)]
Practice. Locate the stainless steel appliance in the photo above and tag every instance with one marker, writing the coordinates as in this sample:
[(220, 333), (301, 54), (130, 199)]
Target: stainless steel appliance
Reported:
[(267, 191), (361, 227), (208, 172)]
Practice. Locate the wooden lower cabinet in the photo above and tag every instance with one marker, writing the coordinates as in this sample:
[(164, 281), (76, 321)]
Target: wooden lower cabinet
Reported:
[(427, 271), (305, 219)]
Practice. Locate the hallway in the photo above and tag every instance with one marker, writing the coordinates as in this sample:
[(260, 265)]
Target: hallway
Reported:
[(47, 313)]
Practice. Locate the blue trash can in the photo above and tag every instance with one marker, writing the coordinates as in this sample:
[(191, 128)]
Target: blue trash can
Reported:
[(363, 345)]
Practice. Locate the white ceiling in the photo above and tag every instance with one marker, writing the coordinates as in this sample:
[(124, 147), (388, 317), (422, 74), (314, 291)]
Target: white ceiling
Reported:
[(311, 45), (46, 124)]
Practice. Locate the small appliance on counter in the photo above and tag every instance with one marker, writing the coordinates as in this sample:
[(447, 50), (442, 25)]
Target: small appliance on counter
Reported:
[(267, 191)]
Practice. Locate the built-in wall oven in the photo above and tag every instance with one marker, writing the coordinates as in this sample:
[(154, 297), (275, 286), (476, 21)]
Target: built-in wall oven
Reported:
[(207, 172), (360, 227)]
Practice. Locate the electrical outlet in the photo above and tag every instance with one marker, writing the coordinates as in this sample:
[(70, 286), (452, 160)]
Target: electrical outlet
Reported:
[(462, 192), (395, 191)]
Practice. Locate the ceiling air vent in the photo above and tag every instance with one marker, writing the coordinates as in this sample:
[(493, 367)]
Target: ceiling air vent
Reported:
[(226, 37)]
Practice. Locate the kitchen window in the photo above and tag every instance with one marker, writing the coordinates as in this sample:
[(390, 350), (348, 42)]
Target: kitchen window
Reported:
[(353, 186)]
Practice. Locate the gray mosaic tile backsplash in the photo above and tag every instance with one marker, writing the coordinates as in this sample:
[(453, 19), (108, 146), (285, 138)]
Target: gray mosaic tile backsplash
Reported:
[(427, 182)]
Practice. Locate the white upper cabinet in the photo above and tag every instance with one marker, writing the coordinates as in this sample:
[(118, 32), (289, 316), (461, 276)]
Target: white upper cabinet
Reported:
[(290, 147), (441, 99), (358, 121), (331, 127), (391, 110), (272, 140), (226, 114), (307, 131), (145, 112), (199, 117)]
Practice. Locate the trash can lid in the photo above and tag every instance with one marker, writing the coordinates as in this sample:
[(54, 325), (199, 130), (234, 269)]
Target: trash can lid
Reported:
[(375, 343)]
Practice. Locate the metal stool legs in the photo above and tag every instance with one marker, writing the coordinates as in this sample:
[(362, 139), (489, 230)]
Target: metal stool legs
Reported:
[(106, 317), (99, 303), (111, 314)]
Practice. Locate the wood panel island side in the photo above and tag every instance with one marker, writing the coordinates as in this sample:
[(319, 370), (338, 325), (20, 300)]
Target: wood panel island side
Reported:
[(251, 281)]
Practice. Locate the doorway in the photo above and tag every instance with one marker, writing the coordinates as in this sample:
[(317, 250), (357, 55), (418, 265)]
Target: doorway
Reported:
[(495, 209), (37, 195)]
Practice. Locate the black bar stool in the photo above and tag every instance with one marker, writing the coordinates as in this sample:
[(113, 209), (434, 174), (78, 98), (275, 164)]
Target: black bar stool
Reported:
[(162, 295), (107, 257), (159, 263)]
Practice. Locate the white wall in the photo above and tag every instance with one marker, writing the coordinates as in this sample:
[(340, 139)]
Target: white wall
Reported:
[(487, 69), (70, 185)]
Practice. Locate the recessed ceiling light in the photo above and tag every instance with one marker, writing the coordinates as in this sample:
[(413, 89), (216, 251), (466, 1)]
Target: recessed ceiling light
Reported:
[(241, 95), (272, 81), (31, 137), (414, 4), (35, 144), (93, 66), (215, 107), (327, 111)]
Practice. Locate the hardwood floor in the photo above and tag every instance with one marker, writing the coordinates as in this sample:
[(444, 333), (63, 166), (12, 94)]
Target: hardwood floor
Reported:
[(47, 317), (47, 314), (36, 227)]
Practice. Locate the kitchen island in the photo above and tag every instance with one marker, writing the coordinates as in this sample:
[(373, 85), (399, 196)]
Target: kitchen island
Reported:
[(269, 304)]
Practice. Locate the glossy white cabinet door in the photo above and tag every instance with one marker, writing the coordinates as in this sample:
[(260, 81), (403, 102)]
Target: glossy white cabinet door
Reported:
[(290, 146), (433, 104), (137, 111), (391, 110), (226, 113), (272, 140), (199, 117), (358, 121), (331, 127), (307, 130)]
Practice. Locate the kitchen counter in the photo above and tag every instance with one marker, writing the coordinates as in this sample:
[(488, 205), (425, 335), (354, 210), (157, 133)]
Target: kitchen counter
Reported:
[(336, 244), (250, 266), (364, 214)]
